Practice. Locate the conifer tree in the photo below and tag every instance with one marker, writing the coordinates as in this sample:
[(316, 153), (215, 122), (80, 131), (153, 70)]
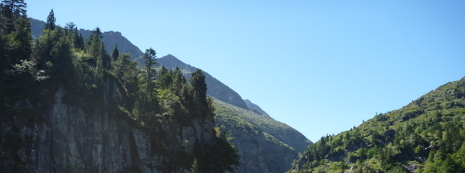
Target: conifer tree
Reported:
[(115, 53), (96, 48), (50, 21), (150, 61), (12, 8), (198, 82), (178, 80)]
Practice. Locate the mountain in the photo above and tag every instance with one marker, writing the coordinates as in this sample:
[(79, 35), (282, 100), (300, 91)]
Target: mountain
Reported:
[(60, 112), (110, 38), (266, 145), (426, 135)]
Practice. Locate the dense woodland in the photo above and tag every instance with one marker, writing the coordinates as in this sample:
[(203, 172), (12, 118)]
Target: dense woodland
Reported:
[(32, 71), (425, 136)]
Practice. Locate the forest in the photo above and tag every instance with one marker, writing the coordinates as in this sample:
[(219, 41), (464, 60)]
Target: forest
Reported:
[(157, 101)]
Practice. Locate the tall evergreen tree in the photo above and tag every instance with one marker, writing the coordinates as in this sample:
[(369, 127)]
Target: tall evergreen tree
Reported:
[(178, 80), (96, 48), (50, 21), (198, 82), (13, 8), (78, 41), (76, 38), (115, 53), (106, 59), (150, 61)]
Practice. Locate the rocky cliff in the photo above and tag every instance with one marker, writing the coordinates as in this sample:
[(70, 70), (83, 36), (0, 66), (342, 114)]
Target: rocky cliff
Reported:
[(62, 136), (265, 145), (270, 146)]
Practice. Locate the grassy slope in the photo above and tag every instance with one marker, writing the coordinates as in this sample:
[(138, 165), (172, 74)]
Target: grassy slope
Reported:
[(426, 135), (258, 135)]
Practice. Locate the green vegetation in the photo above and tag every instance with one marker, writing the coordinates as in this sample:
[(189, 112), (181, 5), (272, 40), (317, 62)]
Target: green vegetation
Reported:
[(427, 135), (59, 60), (264, 143)]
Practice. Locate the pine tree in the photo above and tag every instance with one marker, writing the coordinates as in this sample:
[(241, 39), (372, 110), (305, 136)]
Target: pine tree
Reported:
[(12, 8), (96, 48), (80, 42), (164, 78), (198, 82), (178, 80), (50, 21), (150, 61), (123, 68), (115, 53), (74, 35)]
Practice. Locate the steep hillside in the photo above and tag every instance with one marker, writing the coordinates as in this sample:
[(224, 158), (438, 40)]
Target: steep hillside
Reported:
[(265, 145), (427, 135)]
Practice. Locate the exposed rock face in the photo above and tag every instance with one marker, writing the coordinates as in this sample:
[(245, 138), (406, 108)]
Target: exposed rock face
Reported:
[(66, 138), (265, 145)]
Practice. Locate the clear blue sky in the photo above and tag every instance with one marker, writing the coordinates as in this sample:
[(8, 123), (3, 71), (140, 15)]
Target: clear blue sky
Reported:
[(321, 67)]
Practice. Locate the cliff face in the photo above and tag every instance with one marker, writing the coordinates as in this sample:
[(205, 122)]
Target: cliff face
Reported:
[(265, 145), (69, 138)]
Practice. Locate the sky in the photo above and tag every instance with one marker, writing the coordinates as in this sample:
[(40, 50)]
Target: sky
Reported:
[(321, 67)]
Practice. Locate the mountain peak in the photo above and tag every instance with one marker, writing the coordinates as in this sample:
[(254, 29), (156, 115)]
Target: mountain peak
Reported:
[(114, 33), (171, 62)]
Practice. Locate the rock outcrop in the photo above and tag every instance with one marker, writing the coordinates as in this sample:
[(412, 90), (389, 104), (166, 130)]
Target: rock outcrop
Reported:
[(63, 137), (265, 145)]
